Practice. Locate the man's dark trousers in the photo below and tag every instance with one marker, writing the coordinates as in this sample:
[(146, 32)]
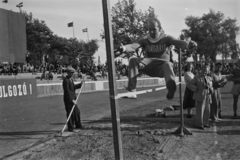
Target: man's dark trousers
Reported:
[(75, 117)]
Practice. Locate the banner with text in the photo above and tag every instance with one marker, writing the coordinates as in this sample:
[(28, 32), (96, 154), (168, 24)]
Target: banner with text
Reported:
[(17, 89)]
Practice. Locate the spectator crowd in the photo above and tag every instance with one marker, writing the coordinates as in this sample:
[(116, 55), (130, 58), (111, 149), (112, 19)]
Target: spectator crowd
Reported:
[(226, 70), (47, 70), (95, 71)]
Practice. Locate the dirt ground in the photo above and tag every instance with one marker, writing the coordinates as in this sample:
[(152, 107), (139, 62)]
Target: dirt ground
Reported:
[(140, 141), (145, 139)]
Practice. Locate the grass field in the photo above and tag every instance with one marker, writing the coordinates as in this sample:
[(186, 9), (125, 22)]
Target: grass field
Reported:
[(145, 139), (149, 110)]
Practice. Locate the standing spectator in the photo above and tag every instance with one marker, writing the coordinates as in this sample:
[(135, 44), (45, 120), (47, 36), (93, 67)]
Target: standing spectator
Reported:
[(27, 58), (218, 82), (201, 85), (235, 77), (70, 100), (188, 101)]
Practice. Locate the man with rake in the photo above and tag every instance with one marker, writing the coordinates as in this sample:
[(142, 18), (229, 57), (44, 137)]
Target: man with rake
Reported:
[(69, 98)]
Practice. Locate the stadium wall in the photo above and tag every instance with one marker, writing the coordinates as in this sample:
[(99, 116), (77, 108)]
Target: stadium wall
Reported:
[(93, 86)]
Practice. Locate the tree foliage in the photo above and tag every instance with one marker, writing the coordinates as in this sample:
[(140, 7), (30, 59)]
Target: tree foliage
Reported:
[(41, 42), (214, 34), (38, 38), (128, 23)]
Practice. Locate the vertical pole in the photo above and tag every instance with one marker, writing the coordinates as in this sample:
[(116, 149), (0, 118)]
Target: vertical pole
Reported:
[(222, 50), (70, 58), (180, 89), (112, 81), (87, 35), (82, 45), (73, 31), (182, 130)]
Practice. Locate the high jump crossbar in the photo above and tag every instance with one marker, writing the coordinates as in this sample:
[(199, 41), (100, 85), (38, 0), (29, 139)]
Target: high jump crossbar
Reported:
[(122, 95)]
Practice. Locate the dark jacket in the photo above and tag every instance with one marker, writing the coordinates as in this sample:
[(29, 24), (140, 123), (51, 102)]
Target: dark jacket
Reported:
[(69, 90)]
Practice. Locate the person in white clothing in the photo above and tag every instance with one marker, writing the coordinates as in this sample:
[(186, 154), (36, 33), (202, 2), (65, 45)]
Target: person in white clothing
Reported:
[(188, 101)]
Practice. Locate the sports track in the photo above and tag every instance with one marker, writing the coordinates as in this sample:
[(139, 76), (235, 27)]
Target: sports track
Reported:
[(29, 122)]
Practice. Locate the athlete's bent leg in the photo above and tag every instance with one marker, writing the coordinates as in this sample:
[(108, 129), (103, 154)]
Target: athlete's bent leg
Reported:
[(169, 79), (133, 73), (159, 68)]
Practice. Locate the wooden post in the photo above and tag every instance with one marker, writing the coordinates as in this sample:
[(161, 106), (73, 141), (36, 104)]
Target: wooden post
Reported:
[(112, 81)]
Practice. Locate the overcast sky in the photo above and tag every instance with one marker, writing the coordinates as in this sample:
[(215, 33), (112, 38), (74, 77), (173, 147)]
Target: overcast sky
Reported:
[(88, 14)]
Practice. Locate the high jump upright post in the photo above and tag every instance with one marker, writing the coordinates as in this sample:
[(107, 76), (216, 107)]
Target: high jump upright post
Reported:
[(182, 130), (112, 81)]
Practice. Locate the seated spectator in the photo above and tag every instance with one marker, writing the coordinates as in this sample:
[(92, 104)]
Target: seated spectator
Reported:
[(43, 76), (36, 68), (104, 74), (79, 74), (14, 69), (1, 68), (118, 74), (92, 74), (31, 68), (49, 76), (28, 68), (5, 70), (64, 74), (63, 69), (9, 66), (59, 70), (19, 68), (51, 67), (24, 68)]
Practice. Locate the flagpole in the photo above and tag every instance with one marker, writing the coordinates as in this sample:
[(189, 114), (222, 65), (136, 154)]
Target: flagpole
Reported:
[(73, 31), (73, 37), (87, 35)]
